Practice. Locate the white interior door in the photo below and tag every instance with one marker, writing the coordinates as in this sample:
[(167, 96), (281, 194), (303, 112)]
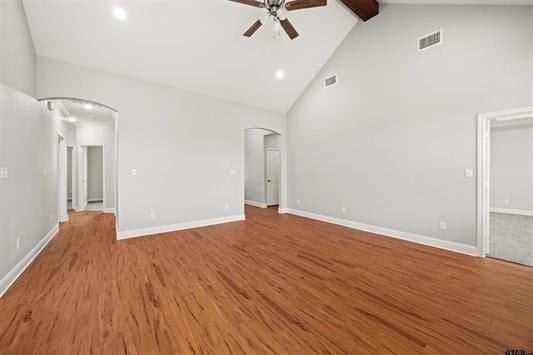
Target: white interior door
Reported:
[(62, 179), (272, 174), (83, 178)]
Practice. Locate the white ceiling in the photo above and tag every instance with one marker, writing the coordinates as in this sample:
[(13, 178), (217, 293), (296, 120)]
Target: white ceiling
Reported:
[(195, 45), (76, 110)]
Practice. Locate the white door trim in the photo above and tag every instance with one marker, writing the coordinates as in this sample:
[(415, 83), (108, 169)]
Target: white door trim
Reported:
[(74, 176), (483, 166), (62, 212)]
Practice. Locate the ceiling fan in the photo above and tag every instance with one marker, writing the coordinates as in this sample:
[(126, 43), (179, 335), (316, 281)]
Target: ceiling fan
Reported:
[(276, 9)]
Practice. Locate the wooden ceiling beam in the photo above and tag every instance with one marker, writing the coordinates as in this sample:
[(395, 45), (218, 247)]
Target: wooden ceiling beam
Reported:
[(364, 9)]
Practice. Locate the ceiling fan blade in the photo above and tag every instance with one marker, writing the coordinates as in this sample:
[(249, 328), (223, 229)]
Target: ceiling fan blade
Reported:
[(250, 2), (304, 4), (289, 28), (253, 28)]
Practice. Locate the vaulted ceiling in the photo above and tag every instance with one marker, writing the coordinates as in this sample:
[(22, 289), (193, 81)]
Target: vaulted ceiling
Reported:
[(195, 45)]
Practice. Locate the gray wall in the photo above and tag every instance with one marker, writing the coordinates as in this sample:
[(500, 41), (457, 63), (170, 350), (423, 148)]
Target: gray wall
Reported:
[(29, 196), (511, 168), (184, 146), (391, 140), (95, 174), (17, 53)]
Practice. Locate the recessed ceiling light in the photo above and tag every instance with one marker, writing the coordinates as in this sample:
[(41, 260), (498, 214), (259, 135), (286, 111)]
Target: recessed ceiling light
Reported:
[(88, 106), (119, 13), (280, 74), (71, 119)]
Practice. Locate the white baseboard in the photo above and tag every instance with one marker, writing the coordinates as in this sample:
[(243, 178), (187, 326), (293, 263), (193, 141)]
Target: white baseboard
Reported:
[(256, 204), (82, 208), (283, 210), (511, 211), (109, 210), (433, 242), (142, 232), (19, 268), (95, 200)]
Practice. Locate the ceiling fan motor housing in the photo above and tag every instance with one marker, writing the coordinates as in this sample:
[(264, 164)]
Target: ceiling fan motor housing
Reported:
[(274, 5)]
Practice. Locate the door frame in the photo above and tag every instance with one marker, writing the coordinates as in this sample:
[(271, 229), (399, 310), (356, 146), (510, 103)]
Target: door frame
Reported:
[(266, 176), (104, 187), (484, 121), (62, 212)]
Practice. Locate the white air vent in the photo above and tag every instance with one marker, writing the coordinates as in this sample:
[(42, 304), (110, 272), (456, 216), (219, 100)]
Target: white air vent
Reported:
[(330, 80), (430, 40)]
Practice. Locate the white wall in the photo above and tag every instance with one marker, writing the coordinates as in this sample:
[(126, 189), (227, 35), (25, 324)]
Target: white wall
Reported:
[(273, 141), (183, 145), (101, 134), (28, 148), (17, 53), (391, 140), (95, 173), (511, 168)]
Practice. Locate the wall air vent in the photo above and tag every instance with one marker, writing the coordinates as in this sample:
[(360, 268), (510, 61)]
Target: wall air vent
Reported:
[(330, 80), (430, 40)]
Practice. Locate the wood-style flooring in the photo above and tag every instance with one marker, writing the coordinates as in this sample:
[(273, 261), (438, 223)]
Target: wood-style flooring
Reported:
[(271, 284)]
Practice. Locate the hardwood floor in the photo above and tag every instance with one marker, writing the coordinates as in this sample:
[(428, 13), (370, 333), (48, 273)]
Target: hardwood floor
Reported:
[(272, 284)]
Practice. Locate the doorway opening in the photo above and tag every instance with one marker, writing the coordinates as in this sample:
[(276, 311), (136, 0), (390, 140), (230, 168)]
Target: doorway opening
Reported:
[(262, 168), (70, 176), (93, 181), (87, 156), (505, 185)]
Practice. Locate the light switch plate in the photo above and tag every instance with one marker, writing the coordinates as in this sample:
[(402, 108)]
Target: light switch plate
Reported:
[(133, 172), (469, 173), (4, 173), (233, 172)]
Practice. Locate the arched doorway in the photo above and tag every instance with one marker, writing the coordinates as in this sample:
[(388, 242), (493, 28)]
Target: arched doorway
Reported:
[(87, 170)]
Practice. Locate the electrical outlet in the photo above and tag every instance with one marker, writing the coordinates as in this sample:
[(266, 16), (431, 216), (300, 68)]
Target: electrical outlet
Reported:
[(226, 207), (233, 172), (343, 209), (469, 173), (18, 243), (298, 202), (507, 200), (4, 173), (45, 172), (152, 215), (133, 172), (443, 226)]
